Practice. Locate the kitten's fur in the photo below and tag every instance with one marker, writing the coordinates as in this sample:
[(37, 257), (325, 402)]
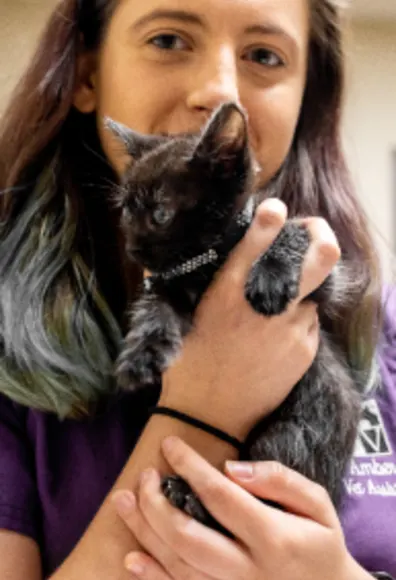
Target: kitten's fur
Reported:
[(180, 197)]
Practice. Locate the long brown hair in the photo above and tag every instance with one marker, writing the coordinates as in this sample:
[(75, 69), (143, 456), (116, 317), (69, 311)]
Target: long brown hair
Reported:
[(58, 334)]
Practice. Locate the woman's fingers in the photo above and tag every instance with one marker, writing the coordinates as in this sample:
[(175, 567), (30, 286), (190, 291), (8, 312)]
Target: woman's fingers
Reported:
[(144, 567), (321, 257), (304, 537), (273, 481), (305, 321), (268, 221), (270, 217), (236, 509), (203, 549), (161, 559)]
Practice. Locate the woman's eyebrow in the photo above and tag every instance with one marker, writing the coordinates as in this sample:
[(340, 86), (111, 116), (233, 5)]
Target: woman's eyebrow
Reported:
[(180, 15), (272, 30), (268, 29)]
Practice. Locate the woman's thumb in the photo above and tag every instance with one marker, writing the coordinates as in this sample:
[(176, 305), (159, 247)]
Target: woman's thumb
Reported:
[(268, 221)]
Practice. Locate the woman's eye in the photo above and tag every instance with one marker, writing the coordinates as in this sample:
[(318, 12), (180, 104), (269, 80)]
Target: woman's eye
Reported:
[(162, 215), (266, 57), (168, 42)]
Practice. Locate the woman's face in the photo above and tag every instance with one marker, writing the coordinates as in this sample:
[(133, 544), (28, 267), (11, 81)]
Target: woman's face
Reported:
[(165, 65)]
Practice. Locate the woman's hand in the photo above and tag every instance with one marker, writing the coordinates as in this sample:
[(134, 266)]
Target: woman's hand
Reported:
[(234, 354), (303, 543)]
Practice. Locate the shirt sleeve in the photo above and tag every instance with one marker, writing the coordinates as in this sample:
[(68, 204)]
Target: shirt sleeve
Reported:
[(19, 506)]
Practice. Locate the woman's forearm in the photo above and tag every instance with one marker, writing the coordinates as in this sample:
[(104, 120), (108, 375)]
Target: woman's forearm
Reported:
[(101, 551)]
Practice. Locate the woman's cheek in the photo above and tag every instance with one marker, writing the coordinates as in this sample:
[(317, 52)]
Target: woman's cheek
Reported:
[(273, 132)]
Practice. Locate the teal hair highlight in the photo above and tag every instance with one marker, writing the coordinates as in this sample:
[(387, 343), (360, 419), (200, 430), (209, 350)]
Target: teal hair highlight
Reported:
[(58, 337)]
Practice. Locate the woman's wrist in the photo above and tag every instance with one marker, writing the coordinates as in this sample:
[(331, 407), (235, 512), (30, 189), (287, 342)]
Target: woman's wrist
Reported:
[(216, 415), (208, 406), (214, 449), (201, 425)]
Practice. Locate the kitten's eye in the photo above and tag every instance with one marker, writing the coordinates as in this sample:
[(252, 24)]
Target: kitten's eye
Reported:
[(162, 215)]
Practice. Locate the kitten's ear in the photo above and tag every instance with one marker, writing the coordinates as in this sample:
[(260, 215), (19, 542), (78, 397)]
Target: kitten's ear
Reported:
[(224, 139), (135, 144)]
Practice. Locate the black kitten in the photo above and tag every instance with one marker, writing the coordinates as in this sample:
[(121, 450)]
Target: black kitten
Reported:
[(186, 201)]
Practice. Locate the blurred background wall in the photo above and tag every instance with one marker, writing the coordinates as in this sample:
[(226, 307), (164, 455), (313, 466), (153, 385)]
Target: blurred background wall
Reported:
[(20, 24), (370, 117), (369, 128)]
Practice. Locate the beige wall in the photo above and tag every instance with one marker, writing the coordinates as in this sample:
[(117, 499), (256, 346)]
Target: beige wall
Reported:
[(20, 24), (370, 127), (370, 118)]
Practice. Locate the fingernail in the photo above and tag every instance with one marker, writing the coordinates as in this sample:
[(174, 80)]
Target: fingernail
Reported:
[(169, 443), (134, 565), (124, 502), (243, 471)]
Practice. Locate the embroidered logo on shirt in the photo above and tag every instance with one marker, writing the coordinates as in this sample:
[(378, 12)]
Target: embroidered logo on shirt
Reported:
[(372, 470), (372, 437)]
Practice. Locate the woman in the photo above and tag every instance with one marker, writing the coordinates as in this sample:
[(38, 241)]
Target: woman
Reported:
[(68, 440)]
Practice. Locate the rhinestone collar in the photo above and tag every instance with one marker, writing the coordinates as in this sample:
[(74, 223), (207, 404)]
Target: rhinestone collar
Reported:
[(243, 219)]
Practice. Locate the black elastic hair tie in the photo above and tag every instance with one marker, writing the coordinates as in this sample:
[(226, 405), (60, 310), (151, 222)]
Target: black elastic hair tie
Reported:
[(198, 424)]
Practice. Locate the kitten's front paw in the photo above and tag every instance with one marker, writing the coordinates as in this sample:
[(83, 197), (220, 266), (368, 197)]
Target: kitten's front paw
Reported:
[(136, 369), (270, 291), (150, 346), (274, 279)]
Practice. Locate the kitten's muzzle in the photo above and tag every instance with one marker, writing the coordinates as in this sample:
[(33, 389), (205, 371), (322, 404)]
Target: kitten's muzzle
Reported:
[(143, 257)]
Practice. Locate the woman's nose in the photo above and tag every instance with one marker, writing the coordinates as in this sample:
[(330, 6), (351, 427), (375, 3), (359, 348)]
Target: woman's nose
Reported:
[(215, 83)]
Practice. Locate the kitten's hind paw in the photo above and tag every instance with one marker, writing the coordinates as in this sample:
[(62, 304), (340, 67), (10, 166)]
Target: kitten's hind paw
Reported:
[(181, 496)]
